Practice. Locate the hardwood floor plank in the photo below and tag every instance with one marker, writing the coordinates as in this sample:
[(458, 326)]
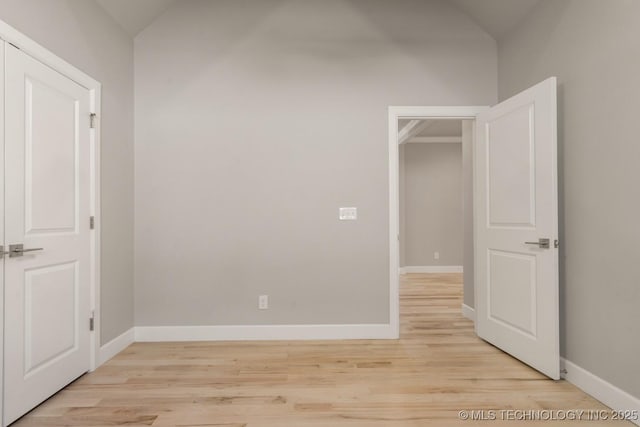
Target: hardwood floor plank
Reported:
[(438, 368)]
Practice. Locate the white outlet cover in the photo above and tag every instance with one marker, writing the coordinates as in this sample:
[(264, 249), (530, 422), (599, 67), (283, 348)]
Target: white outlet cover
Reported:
[(263, 302), (348, 214)]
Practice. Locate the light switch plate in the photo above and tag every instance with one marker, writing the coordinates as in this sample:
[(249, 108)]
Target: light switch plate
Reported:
[(348, 214)]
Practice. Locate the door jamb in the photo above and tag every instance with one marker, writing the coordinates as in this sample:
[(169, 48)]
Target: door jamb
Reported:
[(408, 112), (35, 50)]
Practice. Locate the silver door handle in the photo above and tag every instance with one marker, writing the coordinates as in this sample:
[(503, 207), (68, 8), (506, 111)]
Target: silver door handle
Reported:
[(541, 243), (19, 250)]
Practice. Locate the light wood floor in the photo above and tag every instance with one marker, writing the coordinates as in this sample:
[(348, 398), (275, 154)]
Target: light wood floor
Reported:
[(435, 370)]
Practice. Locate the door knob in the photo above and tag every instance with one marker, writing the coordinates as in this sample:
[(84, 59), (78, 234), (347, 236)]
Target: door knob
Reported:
[(541, 243), (19, 250)]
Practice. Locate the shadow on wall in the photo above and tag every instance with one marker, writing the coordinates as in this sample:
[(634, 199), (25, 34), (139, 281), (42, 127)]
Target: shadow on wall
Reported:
[(407, 33), (561, 221)]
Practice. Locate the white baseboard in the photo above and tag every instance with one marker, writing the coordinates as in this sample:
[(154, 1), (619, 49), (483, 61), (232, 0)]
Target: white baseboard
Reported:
[(431, 269), (469, 312), (116, 345), (600, 389), (264, 332)]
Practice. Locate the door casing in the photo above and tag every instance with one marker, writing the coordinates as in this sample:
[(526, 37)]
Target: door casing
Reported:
[(10, 35), (396, 113)]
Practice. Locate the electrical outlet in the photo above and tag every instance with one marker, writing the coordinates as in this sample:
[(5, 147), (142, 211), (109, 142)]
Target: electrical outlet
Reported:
[(436, 255), (263, 302)]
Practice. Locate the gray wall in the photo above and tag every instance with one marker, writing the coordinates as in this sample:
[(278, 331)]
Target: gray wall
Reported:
[(432, 204), (80, 32), (593, 47), (468, 128), (255, 121)]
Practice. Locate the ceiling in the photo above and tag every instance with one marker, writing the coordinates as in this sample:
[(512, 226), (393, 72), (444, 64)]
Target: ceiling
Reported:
[(429, 130), (135, 15), (435, 128), (496, 17)]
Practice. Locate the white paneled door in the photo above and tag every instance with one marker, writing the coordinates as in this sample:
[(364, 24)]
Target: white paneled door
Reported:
[(1, 229), (47, 283), (516, 222)]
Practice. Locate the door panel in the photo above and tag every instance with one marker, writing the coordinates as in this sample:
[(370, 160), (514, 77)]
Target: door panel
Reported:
[(511, 201), (511, 276), (51, 196), (516, 205), (50, 334), (47, 192)]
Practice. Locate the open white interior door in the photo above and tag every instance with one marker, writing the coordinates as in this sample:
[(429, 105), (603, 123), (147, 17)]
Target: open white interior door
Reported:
[(516, 223)]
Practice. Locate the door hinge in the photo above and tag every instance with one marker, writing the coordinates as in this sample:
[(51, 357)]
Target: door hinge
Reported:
[(556, 243), (92, 321), (92, 222), (92, 120)]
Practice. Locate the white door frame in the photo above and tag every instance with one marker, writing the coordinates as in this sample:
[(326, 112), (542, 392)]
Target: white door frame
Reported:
[(395, 113), (33, 49)]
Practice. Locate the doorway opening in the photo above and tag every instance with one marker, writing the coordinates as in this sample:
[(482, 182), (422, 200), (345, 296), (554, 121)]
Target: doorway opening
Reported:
[(515, 221), (431, 194), (430, 129), (436, 221)]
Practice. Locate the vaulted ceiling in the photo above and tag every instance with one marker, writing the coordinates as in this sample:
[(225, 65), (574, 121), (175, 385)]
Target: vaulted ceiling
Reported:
[(135, 15), (496, 17)]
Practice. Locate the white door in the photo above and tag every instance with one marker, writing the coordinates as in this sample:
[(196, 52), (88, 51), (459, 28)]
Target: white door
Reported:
[(516, 209), (1, 226), (47, 211)]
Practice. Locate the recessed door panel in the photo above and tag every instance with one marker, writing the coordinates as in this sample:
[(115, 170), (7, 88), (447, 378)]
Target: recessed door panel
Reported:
[(512, 290), (511, 168), (51, 148), (50, 334)]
